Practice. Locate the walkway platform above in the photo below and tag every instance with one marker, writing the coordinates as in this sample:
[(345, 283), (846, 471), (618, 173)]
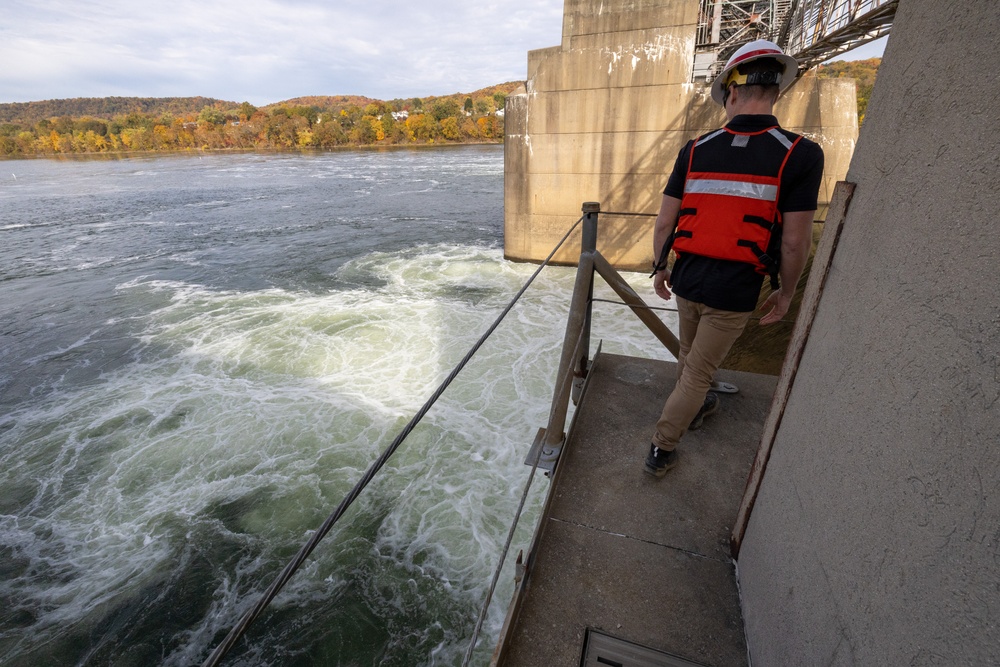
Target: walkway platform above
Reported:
[(628, 555)]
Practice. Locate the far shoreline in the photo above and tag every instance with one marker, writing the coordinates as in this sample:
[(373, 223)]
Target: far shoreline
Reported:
[(109, 155)]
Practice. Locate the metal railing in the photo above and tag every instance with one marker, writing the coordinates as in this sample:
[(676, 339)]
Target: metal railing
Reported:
[(574, 362), (575, 359), (286, 574), (573, 367)]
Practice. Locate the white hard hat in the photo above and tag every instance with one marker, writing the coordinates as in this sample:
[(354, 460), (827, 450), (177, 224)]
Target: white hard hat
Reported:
[(749, 52)]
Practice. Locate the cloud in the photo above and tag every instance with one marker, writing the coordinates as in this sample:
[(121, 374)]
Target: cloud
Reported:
[(267, 50)]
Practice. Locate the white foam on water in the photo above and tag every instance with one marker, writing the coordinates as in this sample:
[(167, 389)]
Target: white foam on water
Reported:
[(246, 419), (217, 203)]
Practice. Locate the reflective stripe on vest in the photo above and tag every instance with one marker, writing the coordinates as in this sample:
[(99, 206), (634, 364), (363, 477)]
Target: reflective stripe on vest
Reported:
[(719, 186), (732, 216)]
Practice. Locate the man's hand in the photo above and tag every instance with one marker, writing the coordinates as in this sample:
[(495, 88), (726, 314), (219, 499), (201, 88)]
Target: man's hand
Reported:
[(665, 221), (796, 240), (661, 283), (779, 304)]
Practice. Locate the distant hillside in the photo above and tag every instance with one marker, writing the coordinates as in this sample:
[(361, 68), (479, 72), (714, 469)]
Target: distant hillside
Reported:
[(325, 102), (29, 113), (338, 102), (107, 108), (133, 124), (862, 70)]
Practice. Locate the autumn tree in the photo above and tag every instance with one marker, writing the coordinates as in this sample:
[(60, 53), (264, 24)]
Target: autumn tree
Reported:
[(328, 133), (63, 125), (26, 142), (349, 116), (281, 129), (862, 71), (443, 109), (310, 113), (212, 116), (393, 131), (449, 128), (470, 129), (489, 127), (91, 125), (377, 109), (422, 127), (183, 134), (246, 111), (137, 138)]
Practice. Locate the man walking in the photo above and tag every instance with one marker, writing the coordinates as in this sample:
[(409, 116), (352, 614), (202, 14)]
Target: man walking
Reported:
[(738, 206)]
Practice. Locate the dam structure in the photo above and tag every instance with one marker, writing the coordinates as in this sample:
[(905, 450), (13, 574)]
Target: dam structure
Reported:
[(868, 527), (604, 114)]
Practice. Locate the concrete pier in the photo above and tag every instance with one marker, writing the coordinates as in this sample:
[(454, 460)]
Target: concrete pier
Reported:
[(604, 114)]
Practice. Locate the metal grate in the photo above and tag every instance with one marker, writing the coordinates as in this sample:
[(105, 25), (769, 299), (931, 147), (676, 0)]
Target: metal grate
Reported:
[(601, 650)]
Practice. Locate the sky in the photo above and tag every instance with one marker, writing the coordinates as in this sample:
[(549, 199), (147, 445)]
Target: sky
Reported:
[(872, 49), (266, 51)]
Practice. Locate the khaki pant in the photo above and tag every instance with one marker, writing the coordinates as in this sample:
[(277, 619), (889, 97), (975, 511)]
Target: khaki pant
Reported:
[(706, 336)]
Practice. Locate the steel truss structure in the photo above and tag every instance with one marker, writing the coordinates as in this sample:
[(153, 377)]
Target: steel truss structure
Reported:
[(811, 30), (817, 30)]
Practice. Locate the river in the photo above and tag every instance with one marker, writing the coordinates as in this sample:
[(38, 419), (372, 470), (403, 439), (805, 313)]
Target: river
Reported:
[(203, 353)]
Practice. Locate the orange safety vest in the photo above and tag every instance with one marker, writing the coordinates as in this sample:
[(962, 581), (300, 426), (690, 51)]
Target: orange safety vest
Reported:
[(731, 215)]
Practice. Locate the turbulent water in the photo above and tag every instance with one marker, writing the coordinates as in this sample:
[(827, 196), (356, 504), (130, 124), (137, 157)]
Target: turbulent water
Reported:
[(202, 355)]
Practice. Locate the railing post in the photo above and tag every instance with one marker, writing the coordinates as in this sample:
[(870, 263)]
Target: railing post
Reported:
[(575, 351), (591, 209), (591, 212)]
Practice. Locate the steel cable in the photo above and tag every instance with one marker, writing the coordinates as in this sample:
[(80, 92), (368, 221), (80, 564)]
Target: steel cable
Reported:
[(627, 214), (503, 559), (286, 574)]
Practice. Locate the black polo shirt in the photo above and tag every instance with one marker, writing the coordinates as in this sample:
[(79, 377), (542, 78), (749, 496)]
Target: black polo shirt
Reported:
[(726, 284)]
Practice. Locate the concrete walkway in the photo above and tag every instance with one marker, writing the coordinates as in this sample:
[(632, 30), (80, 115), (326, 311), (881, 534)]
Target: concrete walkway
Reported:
[(635, 557)]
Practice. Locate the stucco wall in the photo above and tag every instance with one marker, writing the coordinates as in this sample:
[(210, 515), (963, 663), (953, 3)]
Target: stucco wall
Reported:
[(875, 539), (604, 115)]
